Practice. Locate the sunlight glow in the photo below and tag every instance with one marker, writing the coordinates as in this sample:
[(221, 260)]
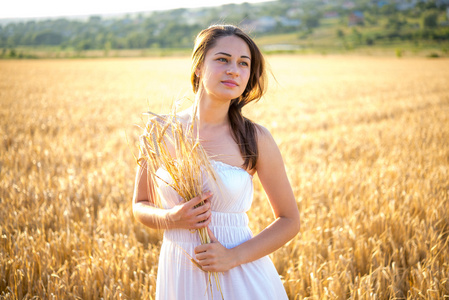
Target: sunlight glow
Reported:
[(56, 8)]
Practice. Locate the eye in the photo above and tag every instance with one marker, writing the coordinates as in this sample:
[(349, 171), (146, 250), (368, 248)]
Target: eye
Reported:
[(222, 59), (244, 63)]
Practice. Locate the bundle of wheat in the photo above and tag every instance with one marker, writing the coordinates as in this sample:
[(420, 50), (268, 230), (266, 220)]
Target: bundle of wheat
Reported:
[(172, 145)]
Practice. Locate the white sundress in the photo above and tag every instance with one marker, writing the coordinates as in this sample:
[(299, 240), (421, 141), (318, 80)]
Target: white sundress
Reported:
[(178, 278)]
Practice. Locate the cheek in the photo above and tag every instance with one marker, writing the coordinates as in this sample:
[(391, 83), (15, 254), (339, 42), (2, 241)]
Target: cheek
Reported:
[(246, 75), (211, 73)]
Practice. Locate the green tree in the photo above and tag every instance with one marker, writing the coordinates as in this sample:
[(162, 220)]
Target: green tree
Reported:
[(107, 48), (136, 40), (396, 23), (311, 20), (430, 19), (48, 37), (357, 36), (340, 34), (389, 9)]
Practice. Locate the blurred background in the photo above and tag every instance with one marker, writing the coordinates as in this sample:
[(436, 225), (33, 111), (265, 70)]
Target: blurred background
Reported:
[(358, 106), (397, 27)]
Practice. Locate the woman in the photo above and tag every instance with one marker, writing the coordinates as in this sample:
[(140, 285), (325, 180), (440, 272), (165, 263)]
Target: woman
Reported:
[(227, 73)]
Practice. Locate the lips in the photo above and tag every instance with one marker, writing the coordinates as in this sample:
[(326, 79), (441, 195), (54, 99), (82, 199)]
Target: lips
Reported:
[(230, 83)]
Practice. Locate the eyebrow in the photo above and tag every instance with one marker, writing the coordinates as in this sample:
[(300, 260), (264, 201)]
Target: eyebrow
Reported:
[(229, 55)]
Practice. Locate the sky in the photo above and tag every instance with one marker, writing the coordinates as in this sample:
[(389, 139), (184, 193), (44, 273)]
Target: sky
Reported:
[(57, 8)]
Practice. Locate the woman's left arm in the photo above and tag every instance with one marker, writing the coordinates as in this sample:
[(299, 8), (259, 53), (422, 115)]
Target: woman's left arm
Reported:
[(271, 171)]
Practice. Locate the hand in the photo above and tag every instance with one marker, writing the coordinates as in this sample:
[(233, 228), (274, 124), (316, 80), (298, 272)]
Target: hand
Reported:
[(188, 215), (214, 257)]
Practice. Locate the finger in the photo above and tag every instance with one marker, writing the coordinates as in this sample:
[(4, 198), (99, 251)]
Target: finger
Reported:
[(201, 209), (201, 257), (206, 222), (207, 195), (197, 200), (212, 236), (201, 224), (203, 216), (194, 201), (207, 269), (200, 249), (207, 203)]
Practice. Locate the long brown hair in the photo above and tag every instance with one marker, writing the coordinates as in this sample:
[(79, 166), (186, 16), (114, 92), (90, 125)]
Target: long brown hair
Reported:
[(243, 130)]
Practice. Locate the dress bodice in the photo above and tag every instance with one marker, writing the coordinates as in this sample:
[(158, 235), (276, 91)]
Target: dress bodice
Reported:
[(232, 191), (179, 278)]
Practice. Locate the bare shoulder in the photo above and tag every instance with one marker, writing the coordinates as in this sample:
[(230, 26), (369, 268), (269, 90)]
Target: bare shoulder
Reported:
[(264, 138), (262, 130), (269, 154)]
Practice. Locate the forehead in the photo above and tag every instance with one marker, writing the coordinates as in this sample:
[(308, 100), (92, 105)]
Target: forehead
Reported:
[(232, 45)]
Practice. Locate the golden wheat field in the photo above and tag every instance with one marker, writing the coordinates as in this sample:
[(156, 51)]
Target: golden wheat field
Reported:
[(365, 141)]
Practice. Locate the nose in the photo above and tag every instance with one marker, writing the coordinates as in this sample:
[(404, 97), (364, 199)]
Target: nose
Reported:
[(233, 69)]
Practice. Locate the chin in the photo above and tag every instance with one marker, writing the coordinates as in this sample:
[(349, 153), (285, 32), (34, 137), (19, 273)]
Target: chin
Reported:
[(226, 97), (232, 95)]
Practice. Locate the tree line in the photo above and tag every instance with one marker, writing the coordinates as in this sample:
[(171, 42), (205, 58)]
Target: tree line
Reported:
[(177, 28)]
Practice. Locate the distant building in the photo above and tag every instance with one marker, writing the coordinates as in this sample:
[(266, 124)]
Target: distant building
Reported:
[(406, 5), (331, 15), (265, 23), (294, 12), (441, 3), (356, 18), (262, 24), (348, 5), (194, 16), (382, 3)]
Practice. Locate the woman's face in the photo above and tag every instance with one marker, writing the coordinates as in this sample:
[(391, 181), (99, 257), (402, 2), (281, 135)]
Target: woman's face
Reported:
[(225, 70)]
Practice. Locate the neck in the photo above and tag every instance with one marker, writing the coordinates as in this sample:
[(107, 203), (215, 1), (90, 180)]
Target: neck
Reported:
[(212, 113)]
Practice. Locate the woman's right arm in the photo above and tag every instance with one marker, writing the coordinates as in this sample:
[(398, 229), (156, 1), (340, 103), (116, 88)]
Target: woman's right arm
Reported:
[(184, 215)]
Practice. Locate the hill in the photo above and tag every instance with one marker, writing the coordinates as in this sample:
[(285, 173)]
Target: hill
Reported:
[(278, 26)]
